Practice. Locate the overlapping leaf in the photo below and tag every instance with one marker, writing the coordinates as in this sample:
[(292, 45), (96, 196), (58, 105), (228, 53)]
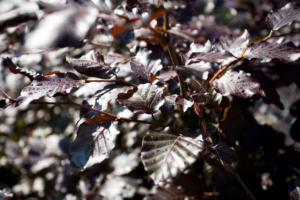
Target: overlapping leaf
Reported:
[(233, 44), (237, 83), (233, 122), (49, 85), (284, 16), (143, 66), (148, 99), (94, 141), (168, 107), (165, 154), (93, 64), (184, 103), (282, 49)]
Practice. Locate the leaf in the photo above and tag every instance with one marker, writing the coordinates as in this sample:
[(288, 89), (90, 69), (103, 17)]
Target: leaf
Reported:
[(18, 70), (282, 49), (6, 194), (210, 127), (94, 140), (148, 99), (184, 103), (166, 193), (294, 189), (165, 154), (92, 64), (102, 97), (233, 122), (223, 155), (143, 66), (168, 107), (63, 28), (283, 16), (237, 83), (49, 85), (233, 44)]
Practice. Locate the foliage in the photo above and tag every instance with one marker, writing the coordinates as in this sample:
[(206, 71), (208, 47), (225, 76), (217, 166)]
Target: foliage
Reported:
[(164, 98)]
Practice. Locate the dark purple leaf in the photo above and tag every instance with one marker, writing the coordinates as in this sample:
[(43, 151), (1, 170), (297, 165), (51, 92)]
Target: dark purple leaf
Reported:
[(168, 107), (165, 154), (143, 66), (166, 193), (294, 189), (184, 103), (49, 85), (61, 29), (233, 44), (93, 64), (283, 16), (166, 74), (233, 122), (94, 141), (237, 83), (282, 49), (148, 99), (113, 59)]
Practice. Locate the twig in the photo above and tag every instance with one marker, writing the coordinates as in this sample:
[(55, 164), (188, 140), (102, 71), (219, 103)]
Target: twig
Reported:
[(9, 97), (244, 186), (270, 34), (116, 81), (185, 36)]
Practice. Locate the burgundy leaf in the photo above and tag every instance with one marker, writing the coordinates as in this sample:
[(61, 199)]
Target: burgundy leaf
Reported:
[(168, 107), (113, 59), (233, 44), (281, 49), (283, 16), (49, 85), (94, 141), (233, 122), (143, 66), (237, 83), (166, 74), (148, 99), (93, 64), (184, 103), (165, 154), (18, 70)]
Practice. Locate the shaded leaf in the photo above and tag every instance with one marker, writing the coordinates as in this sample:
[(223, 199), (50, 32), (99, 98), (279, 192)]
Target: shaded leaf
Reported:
[(165, 193), (233, 122), (168, 107), (19, 70), (294, 189), (94, 140), (233, 44), (148, 99), (92, 64), (165, 154), (49, 85), (237, 83), (282, 49), (61, 29), (184, 103), (143, 66), (210, 127), (283, 16)]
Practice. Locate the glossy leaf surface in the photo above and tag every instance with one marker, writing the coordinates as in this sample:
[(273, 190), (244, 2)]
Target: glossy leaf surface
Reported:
[(94, 140), (49, 85), (164, 154)]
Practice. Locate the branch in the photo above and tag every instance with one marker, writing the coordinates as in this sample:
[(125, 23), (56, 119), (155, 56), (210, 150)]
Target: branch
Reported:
[(270, 34), (9, 97), (244, 186), (116, 81), (185, 36)]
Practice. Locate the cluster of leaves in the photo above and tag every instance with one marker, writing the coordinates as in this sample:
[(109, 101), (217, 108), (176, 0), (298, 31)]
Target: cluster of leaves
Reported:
[(178, 72)]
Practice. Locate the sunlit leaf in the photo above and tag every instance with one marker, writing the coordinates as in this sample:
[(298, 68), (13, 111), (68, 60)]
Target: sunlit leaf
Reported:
[(92, 64), (94, 141), (148, 99), (233, 122), (18, 70), (165, 154), (283, 16), (282, 49), (143, 66), (49, 85), (237, 83)]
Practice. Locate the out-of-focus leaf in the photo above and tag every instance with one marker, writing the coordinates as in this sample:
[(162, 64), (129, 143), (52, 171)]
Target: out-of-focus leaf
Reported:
[(148, 99), (20, 15), (4, 103), (143, 66), (92, 64), (165, 154), (233, 44), (113, 59), (49, 85), (184, 103), (94, 141), (18, 70), (61, 29), (237, 83), (6, 194), (166, 193), (168, 107), (294, 189), (203, 93), (283, 16), (223, 155), (233, 122), (210, 127), (165, 75), (282, 49)]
